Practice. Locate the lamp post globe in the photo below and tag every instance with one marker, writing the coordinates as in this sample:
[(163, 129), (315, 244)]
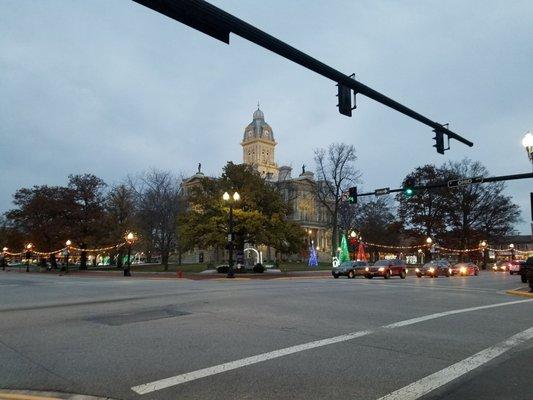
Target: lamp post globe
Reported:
[(353, 234), (527, 142)]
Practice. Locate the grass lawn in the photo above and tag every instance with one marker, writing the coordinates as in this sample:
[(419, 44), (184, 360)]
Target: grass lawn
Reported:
[(294, 266), (284, 267)]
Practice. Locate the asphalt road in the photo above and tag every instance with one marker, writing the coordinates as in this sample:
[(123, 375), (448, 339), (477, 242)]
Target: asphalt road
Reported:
[(445, 338)]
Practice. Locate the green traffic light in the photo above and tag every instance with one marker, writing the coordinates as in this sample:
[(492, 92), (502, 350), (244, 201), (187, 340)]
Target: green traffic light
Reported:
[(409, 192)]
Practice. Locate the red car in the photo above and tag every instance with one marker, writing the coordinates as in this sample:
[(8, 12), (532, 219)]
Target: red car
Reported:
[(386, 269), (465, 269)]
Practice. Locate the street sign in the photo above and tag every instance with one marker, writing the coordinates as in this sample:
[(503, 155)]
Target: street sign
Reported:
[(381, 192), (464, 182)]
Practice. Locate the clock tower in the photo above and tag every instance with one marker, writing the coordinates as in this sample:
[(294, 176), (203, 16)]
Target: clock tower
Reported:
[(258, 146)]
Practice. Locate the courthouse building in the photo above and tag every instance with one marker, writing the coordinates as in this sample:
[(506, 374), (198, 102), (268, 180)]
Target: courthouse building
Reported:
[(258, 147)]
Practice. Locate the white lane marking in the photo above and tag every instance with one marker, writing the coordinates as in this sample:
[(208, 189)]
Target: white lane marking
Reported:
[(431, 382), (217, 369), (446, 313)]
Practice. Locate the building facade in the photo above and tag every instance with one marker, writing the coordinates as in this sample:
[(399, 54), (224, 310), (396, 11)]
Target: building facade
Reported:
[(258, 146)]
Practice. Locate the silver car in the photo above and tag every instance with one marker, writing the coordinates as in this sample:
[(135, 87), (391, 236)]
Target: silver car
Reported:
[(350, 269)]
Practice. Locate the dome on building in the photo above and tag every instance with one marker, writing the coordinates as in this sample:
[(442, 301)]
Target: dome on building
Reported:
[(258, 114), (258, 128)]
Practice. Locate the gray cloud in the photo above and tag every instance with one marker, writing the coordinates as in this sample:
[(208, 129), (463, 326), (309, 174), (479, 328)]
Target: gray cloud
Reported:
[(114, 88)]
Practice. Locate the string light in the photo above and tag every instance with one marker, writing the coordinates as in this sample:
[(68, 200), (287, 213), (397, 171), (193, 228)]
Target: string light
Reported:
[(49, 253)]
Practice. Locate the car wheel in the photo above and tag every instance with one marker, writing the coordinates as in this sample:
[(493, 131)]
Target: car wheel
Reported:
[(476, 272), (336, 276), (387, 275), (510, 272), (403, 274), (447, 274), (419, 275), (351, 275), (523, 278), (369, 276)]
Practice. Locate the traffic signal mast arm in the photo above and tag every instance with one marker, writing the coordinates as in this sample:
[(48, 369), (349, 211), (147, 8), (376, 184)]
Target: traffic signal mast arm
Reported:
[(217, 23), (456, 183)]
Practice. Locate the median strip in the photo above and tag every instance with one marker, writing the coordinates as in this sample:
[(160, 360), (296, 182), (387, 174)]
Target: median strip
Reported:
[(217, 369)]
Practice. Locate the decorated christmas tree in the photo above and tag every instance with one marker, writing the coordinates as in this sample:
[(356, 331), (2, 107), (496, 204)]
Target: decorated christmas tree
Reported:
[(313, 257), (345, 254)]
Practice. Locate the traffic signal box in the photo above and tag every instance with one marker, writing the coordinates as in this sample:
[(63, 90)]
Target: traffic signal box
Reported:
[(352, 195), (408, 187)]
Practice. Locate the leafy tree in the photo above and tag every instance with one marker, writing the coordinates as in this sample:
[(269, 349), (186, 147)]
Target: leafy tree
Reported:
[(424, 213), (376, 222), (479, 211), (260, 217), (88, 216), (336, 172), (121, 213), (42, 215)]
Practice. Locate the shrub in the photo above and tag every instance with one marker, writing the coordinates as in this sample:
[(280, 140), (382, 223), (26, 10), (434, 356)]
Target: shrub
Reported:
[(259, 268)]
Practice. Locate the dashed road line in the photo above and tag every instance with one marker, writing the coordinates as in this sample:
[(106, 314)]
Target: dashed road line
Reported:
[(228, 366)]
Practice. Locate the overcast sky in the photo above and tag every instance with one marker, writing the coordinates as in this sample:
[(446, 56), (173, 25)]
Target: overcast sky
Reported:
[(113, 88)]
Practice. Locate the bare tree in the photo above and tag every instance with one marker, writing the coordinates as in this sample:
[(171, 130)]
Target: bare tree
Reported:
[(159, 202), (335, 174), (477, 212)]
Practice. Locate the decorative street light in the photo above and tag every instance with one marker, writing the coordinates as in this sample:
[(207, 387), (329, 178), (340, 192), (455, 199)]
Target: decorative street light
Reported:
[(527, 142), (420, 256), (511, 246), (4, 255), (231, 200), (130, 239), (28, 255), (68, 243), (484, 253), (429, 241), (353, 234)]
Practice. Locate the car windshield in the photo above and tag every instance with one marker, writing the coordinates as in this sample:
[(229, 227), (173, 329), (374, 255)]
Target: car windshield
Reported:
[(382, 262), (346, 264), (430, 264)]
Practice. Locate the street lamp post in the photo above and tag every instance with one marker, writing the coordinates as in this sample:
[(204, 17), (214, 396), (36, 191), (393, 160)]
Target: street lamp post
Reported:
[(130, 239), (230, 200), (28, 255), (485, 254), (67, 253), (4, 261), (429, 243), (511, 246)]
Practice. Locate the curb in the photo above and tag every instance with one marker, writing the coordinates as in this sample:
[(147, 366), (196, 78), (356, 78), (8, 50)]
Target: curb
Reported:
[(521, 291), (37, 395)]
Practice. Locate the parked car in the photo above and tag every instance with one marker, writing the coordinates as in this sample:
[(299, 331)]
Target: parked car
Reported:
[(500, 266), (386, 269), (514, 266), (350, 269), (465, 269), (434, 269)]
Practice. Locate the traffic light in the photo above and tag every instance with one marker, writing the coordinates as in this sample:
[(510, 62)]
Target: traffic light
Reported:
[(439, 140), (345, 100), (352, 195), (408, 187)]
